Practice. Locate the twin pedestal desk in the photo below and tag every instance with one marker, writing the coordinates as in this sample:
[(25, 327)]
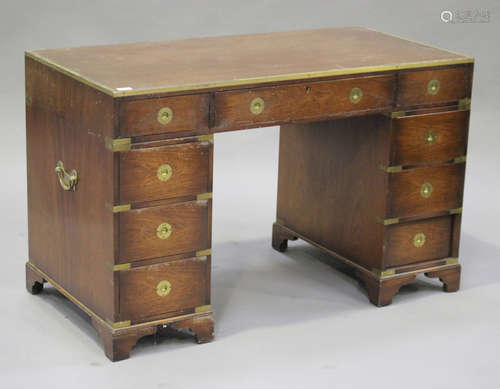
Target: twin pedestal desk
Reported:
[(372, 155)]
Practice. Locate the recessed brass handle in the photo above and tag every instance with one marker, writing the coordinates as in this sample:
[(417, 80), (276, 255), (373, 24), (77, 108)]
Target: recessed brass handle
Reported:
[(163, 288), (426, 190), (433, 87), (419, 240), (355, 95), (257, 106), (67, 181), (430, 137), (164, 172), (165, 115), (164, 230)]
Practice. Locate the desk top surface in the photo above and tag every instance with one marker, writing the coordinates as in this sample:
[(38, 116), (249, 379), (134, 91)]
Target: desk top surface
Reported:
[(208, 63)]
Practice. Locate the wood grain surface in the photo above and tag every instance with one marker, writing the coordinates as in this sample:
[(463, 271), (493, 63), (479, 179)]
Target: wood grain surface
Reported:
[(330, 188), (191, 172), (140, 117), (400, 248), (454, 85), (243, 59), (190, 230), (405, 190), (303, 102), (410, 147), (71, 233), (138, 295)]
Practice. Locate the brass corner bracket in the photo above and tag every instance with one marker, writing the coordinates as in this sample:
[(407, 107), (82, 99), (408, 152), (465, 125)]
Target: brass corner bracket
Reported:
[(203, 253), (391, 169), (121, 266), (452, 261), (388, 222), (464, 103), (120, 144), (203, 308), (396, 114), (118, 208), (119, 324), (204, 196), (206, 138), (384, 273)]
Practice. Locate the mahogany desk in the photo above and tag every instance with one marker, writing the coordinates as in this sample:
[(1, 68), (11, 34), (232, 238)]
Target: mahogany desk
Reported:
[(120, 142)]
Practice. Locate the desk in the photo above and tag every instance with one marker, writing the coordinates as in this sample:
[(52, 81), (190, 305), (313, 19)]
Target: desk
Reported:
[(119, 153)]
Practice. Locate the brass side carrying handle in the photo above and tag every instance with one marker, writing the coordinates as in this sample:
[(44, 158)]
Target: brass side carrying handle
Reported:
[(67, 181)]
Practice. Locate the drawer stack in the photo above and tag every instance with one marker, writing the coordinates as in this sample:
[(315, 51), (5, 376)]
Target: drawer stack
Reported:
[(425, 186), (426, 168), (163, 208), (382, 192)]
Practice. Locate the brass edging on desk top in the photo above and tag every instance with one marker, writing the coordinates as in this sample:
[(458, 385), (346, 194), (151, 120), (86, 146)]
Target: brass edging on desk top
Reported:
[(246, 81)]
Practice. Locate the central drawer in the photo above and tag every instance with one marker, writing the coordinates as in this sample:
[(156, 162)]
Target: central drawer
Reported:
[(308, 101), (164, 230)]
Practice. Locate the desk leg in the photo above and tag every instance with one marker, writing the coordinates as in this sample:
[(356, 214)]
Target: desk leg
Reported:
[(281, 238)]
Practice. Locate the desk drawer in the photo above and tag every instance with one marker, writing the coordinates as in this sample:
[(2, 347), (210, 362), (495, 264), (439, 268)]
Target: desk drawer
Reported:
[(433, 86), (165, 115), (165, 230), (164, 172), (432, 137), (151, 291), (425, 190), (418, 241), (308, 101)]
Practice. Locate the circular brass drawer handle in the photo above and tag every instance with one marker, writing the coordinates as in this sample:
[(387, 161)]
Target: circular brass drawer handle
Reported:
[(164, 172), (355, 95), (163, 288), (165, 115), (67, 181), (426, 190), (430, 137), (419, 240), (164, 230), (257, 106), (433, 87)]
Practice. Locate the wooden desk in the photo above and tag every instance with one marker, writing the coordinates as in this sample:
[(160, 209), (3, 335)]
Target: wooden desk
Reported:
[(371, 170)]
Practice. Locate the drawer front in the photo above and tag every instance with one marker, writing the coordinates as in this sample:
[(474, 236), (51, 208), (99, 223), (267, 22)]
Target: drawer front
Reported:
[(433, 86), (165, 230), (315, 100), (418, 241), (425, 190), (151, 291), (165, 172), (165, 115), (432, 137)]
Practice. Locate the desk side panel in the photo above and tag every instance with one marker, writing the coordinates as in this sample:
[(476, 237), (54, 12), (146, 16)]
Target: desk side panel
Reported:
[(330, 189), (70, 232)]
